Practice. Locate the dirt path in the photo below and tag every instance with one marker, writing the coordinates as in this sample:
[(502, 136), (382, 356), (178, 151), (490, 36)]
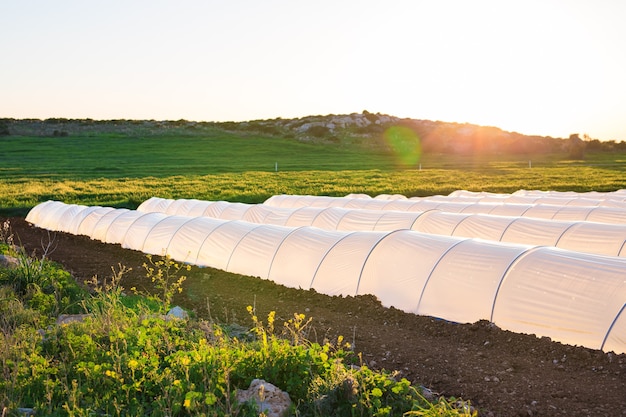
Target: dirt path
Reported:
[(502, 373)]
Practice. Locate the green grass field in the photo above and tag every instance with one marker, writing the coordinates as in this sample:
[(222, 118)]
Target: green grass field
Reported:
[(123, 171)]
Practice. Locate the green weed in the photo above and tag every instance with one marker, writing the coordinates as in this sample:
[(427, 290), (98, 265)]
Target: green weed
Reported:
[(40, 283), (165, 275)]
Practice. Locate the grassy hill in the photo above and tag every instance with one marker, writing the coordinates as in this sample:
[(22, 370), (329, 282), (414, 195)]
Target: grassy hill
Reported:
[(123, 162)]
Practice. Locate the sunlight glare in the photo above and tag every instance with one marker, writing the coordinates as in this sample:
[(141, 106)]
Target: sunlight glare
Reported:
[(405, 144)]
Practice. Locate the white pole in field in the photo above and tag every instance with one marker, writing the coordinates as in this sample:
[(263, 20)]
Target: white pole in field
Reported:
[(276, 166), (530, 164)]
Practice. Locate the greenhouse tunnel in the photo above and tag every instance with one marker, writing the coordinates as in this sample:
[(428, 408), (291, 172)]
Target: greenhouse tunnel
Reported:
[(600, 214), (572, 297), (584, 236)]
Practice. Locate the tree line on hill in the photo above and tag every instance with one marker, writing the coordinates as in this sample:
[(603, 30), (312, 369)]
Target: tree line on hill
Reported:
[(362, 129)]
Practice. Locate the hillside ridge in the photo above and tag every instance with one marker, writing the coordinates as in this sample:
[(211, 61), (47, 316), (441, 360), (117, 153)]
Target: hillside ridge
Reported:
[(370, 130)]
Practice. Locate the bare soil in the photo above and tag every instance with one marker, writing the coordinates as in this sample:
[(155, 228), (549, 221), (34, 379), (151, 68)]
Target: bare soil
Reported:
[(500, 372)]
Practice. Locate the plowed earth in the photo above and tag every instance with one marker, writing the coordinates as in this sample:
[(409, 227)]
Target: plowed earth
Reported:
[(501, 373)]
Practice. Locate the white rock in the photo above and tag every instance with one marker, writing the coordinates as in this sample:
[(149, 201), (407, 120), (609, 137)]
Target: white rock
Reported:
[(269, 399), (177, 313)]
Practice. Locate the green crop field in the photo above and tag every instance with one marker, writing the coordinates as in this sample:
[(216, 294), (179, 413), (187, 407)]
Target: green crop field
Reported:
[(122, 171)]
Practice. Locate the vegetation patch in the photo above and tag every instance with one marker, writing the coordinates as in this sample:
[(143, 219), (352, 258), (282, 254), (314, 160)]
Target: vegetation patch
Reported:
[(128, 358), (122, 163)]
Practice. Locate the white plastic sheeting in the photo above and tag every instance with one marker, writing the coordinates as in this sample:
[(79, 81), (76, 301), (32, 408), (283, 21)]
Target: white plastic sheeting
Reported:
[(560, 198), (593, 198), (332, 218), (592, 237), (572, 297), (600, 214)]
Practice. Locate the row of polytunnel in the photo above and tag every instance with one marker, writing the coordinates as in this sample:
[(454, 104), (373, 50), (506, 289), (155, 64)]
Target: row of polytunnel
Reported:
[(556, 278), (541, 210), (579, 235)]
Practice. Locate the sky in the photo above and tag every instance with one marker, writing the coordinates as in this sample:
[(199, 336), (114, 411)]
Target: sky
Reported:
[(538, 67)]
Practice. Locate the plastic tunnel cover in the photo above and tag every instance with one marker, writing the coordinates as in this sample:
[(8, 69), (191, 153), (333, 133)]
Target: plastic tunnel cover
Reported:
[(483, 226), (418, 206), (573, 213), (282, 200), (439, 222), (277, 215), (52, 213), (600, 238), (396, 220), (571, 297), (175, 227), (176, 207), (253, 254), (117, 229), (405, 259), (329, 218), (198, 208), (258, 214), (155, 204), (186, 208), (234, 211), (616, 338), (75, 223), (542, 211), (366, 204), (36, 214), (65, 221), (511, 209), (159, 237), (300, 254), (138, 231), (607, 215), (88, 223), (535, 231), (463, 286), (312, 201), (480, 208), (355, 220), (100, 229), (303, 216), (217, 246), (185, 243), (340, 270)]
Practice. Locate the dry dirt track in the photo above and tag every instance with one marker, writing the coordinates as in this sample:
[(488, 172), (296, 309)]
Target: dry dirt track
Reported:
[(502, 373)]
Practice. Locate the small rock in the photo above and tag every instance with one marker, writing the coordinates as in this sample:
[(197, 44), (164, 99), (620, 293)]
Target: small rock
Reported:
[(270, 400), (177, 313), (10, 262), (428, 394), (65, 319)]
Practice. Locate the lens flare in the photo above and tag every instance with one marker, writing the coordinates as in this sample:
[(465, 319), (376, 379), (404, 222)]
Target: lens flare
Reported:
[(405, 144)]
